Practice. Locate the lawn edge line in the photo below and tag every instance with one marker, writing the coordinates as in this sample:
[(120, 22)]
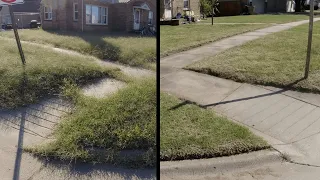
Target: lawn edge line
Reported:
[(210, 72), (267, 156)]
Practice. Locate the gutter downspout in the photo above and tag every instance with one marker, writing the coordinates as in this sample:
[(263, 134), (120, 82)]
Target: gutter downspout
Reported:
[(82, 15)]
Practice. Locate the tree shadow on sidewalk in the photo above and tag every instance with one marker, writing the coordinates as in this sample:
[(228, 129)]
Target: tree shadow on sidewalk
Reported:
[(17, 165), (286, 88)]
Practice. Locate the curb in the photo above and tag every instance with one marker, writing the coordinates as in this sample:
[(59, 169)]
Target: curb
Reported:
[(222, 164)]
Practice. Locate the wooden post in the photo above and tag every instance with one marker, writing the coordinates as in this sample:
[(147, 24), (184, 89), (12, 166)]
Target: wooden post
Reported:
[(212, 12), (306, 73), (13, 21)]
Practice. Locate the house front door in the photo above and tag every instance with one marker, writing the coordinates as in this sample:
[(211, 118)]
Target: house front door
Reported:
[(136, 19)]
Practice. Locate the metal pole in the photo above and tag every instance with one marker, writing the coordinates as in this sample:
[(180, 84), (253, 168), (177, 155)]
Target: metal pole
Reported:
[(306, 73), (171, 8), (17, 36), (212, 12)]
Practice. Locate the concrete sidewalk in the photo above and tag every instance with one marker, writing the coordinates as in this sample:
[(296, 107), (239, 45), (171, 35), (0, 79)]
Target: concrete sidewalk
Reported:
[(288, 120)]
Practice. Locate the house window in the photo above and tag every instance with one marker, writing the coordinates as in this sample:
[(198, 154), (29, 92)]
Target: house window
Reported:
[(186, 3), (75, 12), (96, 15), (167, 3), (150, 19), (47, 13)]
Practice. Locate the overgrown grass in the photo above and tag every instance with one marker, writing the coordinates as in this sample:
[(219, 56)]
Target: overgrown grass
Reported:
[(44, 73), (125, 48), (103, 130), (263, 18), (175, 39), (190, 132), (277, 60)]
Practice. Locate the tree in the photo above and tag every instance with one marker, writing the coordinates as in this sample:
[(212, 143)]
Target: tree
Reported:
[(205, 7)]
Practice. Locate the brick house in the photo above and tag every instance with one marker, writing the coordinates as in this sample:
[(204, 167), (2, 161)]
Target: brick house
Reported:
[(173, 7), (235, 7), (98, 15)]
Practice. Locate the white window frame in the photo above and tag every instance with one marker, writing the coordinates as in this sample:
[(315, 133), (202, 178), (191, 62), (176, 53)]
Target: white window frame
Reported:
[(184, 7), (47, 10), (150, 17), (75, 11), (106, 15)]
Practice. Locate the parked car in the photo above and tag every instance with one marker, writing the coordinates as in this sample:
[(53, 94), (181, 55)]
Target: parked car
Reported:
[(6, 26), (35, 24)]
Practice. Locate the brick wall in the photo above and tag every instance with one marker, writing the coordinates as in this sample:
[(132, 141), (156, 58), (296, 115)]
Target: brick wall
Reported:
[(195, 7), (120, 15), (58, 16)]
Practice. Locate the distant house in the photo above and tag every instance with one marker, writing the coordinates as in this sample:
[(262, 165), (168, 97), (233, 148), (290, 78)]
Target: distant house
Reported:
[(98, 15), (267, 6), (23, 13), (173, 7)]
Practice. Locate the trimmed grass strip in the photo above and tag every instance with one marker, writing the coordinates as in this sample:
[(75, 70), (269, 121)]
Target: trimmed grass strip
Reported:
[(190, 132)]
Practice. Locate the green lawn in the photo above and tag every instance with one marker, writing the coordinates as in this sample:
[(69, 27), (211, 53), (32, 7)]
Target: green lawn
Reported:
[(189, 132), (45, 73), (125, 48), (264, 18), (99, 130), (277, 60), (174, 39)]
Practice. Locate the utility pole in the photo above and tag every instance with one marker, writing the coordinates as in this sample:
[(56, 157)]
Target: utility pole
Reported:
[(306, 73)]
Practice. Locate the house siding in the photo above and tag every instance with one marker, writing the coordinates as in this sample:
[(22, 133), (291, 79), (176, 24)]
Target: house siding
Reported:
[(230, 7), (277, 6), (119, 18)]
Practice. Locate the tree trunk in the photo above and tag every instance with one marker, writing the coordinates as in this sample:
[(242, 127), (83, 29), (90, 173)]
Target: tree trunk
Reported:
[(161, 8)]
